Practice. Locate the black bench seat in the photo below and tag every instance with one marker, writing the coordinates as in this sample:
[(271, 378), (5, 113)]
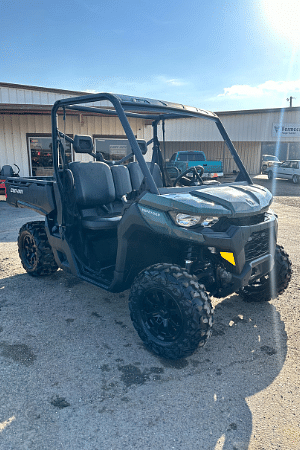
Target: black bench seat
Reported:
[(99, 188), (100, 223), (98, 191)]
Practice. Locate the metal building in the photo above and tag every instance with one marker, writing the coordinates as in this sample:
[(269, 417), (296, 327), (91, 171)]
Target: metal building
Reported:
[(25, 131), (25, 127), (253, 132)]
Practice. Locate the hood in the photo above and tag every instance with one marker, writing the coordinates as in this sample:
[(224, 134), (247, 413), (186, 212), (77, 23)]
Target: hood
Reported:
[(233, 200), (238, 199)]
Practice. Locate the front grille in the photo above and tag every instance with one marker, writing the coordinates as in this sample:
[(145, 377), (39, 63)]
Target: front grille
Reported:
[(258, 244), (225, 222)]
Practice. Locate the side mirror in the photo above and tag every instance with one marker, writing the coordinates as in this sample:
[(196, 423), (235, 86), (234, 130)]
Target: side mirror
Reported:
[(83, 144), (143, 146)]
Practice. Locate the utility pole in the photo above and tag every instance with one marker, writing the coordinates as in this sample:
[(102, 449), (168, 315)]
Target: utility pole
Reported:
[(291, 101)]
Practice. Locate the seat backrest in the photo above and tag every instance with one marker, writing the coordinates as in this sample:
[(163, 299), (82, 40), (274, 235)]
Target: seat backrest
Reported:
[(93, 183), (156, 174), (137, 177), (6, 171), (122, 181)]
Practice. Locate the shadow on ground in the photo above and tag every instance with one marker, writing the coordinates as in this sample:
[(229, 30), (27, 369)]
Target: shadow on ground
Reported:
[(75, 373)]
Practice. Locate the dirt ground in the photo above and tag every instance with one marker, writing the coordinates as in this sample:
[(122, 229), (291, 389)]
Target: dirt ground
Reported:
[(75, 375)]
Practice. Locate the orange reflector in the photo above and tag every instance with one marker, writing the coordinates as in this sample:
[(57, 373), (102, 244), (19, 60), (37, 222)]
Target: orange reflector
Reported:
[(229, 257)]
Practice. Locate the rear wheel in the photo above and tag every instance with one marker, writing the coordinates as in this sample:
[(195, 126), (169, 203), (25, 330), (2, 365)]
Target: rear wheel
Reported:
[(272, 284), (170, 310), (35, 251), (295, 179)]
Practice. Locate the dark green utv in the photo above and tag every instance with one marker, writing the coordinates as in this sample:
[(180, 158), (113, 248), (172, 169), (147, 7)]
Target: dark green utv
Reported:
[(121, 224)]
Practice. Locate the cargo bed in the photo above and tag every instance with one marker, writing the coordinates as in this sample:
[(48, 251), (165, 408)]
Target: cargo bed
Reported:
[(36, 193)]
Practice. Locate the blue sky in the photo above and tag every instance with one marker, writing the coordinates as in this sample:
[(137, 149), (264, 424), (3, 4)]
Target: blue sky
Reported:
[(213, 54)]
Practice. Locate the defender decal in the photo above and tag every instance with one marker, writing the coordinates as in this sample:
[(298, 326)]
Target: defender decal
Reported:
[(149, 211), (16, 191)]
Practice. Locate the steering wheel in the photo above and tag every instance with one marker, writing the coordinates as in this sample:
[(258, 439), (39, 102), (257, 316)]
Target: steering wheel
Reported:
[(193, 180)]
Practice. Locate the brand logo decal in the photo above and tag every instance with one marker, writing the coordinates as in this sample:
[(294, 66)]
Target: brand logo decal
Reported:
[(150, 212), (16, 191)]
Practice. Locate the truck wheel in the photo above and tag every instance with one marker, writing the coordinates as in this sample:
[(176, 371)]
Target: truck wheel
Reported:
[(170, 310), (35, 251), (273, 284), (270, 175)]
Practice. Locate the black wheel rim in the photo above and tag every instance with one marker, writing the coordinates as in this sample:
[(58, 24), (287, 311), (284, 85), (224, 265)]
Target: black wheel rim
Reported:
[(29, 251), (161, 315)]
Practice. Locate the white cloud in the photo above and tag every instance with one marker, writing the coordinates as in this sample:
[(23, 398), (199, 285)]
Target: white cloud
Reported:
[(246, 91), (171, 81)]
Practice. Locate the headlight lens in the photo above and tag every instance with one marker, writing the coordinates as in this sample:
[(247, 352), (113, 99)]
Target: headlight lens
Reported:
[(187, 220)]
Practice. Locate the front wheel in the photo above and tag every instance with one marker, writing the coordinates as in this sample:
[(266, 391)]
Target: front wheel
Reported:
[(270, 175), (35, 251), (295, 179), (272, 284), (170, 310)]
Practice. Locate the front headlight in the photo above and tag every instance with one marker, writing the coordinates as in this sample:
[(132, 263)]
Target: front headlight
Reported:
[(187, 220)]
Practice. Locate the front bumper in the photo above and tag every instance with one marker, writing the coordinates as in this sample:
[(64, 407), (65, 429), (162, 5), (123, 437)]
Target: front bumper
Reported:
[(252, 270), (247, 243), (253, 247)]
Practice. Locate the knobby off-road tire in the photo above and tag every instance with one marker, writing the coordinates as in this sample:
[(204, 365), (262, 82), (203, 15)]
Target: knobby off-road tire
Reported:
[(35, 251), (273, 284), (170, 310)]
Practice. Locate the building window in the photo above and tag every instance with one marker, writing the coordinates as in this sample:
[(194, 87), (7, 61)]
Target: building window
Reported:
[(294, 150), (278, 149), (283, 150), (112, 149), (40, 155), (116, 149)]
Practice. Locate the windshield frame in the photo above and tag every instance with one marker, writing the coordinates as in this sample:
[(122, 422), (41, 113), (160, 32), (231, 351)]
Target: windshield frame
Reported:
[(125, 106)]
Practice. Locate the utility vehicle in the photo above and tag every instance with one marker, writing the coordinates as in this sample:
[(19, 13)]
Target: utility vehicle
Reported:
[(121, 225), (6, 172)]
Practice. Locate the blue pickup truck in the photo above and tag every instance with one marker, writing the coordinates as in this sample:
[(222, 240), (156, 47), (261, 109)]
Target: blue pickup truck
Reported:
[(180, 161)]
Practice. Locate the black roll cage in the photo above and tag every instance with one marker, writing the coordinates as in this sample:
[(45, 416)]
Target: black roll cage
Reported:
[(137, 107)]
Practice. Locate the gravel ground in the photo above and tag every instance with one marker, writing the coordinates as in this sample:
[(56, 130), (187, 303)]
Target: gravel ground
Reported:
[(75, 376)]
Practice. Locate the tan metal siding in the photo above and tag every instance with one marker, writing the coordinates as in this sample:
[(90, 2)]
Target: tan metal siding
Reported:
[(255, 127), (258, 127), (190, 130), (14, 128), (23, 96)]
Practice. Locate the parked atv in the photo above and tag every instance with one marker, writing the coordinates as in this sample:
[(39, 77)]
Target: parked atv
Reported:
[(5, 172), (122, 225)]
